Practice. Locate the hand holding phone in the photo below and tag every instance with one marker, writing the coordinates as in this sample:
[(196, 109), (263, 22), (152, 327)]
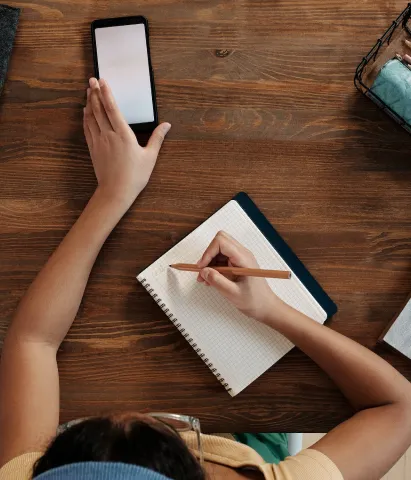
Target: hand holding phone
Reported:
[(122, 166)]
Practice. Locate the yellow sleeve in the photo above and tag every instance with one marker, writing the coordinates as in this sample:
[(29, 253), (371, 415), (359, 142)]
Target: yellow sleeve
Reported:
[(307, 465), (20, 468)]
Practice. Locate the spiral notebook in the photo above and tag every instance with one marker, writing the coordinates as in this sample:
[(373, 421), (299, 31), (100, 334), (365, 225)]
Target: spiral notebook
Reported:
[(237, 349)]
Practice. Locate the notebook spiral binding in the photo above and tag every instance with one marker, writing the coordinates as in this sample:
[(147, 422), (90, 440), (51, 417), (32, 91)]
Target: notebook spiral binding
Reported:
[(183, 332)]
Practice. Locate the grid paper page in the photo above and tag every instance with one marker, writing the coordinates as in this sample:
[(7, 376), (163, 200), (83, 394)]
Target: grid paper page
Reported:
[(239, 348)]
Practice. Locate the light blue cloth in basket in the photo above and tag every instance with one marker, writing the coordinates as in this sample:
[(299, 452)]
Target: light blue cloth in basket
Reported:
[(393, 87)]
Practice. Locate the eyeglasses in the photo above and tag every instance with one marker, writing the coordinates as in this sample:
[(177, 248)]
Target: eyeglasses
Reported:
[(182, 423)]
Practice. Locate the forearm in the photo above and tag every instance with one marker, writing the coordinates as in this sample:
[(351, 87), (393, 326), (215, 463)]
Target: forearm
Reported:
[(29, 383), (365, 379), (369, 443), (49, 307)]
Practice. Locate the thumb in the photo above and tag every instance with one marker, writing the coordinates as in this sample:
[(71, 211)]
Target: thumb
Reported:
[(225, 286), (157, 137)]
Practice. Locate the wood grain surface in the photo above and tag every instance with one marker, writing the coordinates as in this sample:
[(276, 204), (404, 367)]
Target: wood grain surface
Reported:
[(260, 96)]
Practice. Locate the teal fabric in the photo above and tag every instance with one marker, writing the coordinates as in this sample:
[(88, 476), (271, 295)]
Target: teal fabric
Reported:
[(393, 87), (273, 447)]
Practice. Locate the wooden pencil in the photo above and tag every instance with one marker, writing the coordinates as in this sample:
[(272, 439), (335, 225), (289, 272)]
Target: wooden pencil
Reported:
[(238, 271)]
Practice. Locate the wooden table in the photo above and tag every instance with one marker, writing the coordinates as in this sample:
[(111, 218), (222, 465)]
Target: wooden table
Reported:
[(261, 98)]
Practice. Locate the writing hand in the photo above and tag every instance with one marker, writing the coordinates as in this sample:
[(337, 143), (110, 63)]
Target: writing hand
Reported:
[(250, 295)]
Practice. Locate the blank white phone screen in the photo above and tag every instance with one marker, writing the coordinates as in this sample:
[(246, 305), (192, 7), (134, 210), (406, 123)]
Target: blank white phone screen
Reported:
[(123, 63)]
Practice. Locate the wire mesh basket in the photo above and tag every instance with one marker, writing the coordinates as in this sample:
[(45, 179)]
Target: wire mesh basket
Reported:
[(390, 43)]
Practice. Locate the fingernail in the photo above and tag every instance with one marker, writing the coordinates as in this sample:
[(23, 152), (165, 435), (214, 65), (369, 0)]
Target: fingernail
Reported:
[(102, 82), (205, 273), (93, 82), (166, 127)]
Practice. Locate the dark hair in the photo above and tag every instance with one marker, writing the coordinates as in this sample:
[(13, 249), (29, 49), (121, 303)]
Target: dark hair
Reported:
[(147, 444)]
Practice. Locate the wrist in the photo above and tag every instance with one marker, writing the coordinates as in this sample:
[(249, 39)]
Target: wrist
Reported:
[(103, 211), (274, 311), (113, 200)]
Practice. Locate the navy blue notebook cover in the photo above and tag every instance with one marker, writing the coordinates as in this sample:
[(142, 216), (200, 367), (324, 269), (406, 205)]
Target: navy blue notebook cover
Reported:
[(286, 253)]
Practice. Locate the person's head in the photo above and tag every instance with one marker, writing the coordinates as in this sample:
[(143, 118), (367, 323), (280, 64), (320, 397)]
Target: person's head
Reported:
[(131, 439)]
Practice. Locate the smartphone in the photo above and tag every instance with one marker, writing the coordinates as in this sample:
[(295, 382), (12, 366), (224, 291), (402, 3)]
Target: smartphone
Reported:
[(122, 57)]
